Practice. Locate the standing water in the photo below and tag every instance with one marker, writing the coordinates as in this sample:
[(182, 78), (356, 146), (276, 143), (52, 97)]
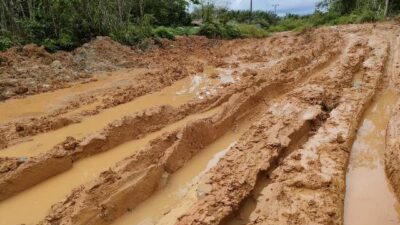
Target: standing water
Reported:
[(179, 186), (369, 199)]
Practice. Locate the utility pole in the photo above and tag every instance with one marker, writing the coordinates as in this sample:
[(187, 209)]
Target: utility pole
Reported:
[(275, 6), (386, 8), (251, 10)]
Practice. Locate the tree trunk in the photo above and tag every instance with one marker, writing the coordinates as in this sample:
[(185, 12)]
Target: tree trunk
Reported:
[(141, 8), (386, 8)]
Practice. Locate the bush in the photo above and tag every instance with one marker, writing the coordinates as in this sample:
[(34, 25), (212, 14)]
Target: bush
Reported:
[(220, 31), (185, 31), (129, 35), (5, 43), (163, 32), (367, 16), (252, 31), (347, 19), (65, 42)]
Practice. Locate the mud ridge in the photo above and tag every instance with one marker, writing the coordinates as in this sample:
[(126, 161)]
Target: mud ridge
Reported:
[(182, 157), (18, 174), (392, 151), (12, 132), (309, 187), (168, 153), (265, 153)]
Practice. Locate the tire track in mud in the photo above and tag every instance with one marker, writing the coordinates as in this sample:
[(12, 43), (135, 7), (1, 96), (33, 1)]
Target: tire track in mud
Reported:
[(377, 203), (190, 155), (235, 187), (67, 155), (71, 149), (134, 179), (149, 82), (70, 176), (392, 150), (308, 187), (44, 142)]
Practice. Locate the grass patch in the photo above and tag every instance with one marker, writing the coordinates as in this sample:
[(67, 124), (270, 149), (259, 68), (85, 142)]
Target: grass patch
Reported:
[(252, 31)]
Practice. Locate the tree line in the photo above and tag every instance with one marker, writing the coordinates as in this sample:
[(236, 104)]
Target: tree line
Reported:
[(66, 24), (343, 7)]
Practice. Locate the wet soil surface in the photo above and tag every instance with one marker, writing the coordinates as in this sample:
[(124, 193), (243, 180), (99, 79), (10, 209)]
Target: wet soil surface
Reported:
[(289, 129)]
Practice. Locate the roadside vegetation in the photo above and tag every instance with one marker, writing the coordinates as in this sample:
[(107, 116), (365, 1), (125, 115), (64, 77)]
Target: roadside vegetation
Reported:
[(67, 24)]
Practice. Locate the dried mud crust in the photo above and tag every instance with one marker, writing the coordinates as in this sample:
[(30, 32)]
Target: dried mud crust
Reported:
[(265, 148), (308, 54)]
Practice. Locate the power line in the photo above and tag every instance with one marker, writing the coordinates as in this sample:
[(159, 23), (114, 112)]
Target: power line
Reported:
[(275, 6)]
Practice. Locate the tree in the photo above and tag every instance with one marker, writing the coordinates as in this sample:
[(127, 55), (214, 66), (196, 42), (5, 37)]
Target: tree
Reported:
[(386, 8)]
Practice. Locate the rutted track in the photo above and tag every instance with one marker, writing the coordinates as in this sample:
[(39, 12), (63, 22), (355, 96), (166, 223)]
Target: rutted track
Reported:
[(296, 99)]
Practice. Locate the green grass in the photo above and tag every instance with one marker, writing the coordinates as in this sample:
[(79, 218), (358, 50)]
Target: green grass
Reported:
[(252, 31)]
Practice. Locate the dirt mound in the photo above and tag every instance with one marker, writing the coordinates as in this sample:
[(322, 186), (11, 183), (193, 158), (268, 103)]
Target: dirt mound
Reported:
[(31, 69)]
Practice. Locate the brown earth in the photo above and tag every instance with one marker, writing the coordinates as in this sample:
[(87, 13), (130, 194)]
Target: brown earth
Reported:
[(99, 135)]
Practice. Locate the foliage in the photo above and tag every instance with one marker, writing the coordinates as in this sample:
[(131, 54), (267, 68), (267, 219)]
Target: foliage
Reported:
[(163, 32), (220, 31), (66, 24), (252, 31), (5, 42), (179, 31), (209, 13)]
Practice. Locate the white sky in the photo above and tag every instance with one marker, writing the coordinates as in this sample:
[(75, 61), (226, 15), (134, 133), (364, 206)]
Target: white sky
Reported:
[(285, 6)]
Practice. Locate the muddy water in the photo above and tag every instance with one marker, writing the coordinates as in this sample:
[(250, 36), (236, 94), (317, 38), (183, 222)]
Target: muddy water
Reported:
[(177, 94), (369, 199), (38, 105), (181, 185), (33, 204)]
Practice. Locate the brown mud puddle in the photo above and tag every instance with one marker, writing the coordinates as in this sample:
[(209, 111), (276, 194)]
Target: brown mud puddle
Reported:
[(33, 204), (38, 105), (369, 199), (180, 188), (189, 88)]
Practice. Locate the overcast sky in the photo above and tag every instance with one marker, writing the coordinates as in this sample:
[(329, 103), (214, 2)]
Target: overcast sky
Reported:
[(285, 6)]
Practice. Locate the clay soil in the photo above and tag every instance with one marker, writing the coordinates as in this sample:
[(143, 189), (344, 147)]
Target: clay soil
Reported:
[(250, 131)]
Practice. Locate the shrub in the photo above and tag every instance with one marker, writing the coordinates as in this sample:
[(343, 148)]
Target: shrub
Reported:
[(221, 31), (367, 16), (252, 31), (129, 35), (211, 30), (184, 31), (163, 32), (347, 19), (5, 43)]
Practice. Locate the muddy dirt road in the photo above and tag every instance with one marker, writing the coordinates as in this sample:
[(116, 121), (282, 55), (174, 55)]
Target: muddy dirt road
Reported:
[(293, 129)]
